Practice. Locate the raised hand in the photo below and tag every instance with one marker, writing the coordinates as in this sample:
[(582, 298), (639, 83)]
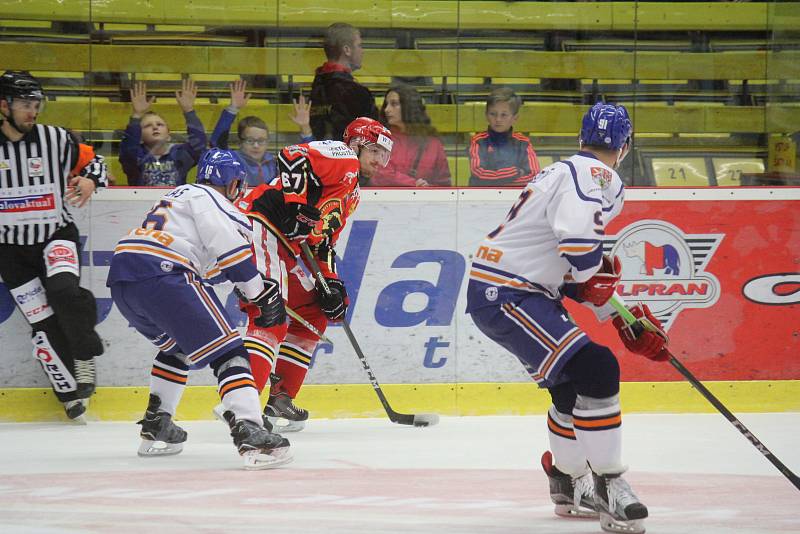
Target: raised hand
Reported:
[(139, 101), (239, 97), (302, 115), (186, 95)]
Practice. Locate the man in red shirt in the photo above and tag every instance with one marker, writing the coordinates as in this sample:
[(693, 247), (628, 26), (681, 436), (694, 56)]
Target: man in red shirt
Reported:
[(315, 193)]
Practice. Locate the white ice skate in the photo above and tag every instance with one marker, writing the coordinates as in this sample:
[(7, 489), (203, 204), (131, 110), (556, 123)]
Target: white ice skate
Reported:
[(619, 508)]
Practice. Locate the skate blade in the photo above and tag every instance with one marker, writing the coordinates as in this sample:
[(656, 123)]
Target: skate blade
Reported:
[(609, 524), (567, 510), (149, 448), (256, 460), (281, 425)]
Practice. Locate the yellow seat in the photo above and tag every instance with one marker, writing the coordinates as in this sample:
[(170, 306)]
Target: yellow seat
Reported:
[(680, 172), (728, 171), (459, 170)]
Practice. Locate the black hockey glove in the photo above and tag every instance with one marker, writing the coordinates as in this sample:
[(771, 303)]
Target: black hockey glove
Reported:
[(302, 218), (270, 304), (333, 304)]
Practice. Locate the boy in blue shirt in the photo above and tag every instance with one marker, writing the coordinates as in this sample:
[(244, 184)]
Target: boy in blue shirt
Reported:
[(499, 157)]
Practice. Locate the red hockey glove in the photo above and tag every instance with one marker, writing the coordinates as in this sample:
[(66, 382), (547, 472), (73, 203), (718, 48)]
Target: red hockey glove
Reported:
[(645, 337), (599, 288)]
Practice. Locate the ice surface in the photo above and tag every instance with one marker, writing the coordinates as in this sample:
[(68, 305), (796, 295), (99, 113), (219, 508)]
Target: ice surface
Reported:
[(468, 474)]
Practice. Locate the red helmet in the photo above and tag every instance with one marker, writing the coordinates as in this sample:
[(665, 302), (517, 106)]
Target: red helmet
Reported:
[(368, 132)]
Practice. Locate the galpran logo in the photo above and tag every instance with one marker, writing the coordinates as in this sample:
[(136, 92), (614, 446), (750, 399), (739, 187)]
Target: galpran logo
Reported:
[(665, 268)]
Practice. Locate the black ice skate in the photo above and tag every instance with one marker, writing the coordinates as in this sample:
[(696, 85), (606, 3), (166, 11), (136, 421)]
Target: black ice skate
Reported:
[(219, 413), (281, 411), (573, 496), (76, 409), (619, 508), (86, 378), (160, 436), (260, 448)]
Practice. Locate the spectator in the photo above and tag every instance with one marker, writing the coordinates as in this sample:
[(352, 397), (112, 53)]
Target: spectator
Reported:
[(253, 135), (499, 157), (146, 154), (337, 98), (418, 158)]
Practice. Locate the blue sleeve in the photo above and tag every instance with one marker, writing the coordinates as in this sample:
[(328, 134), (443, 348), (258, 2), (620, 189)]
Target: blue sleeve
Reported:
[(188, 153), (306, 138), (129, 151), (219, 137)]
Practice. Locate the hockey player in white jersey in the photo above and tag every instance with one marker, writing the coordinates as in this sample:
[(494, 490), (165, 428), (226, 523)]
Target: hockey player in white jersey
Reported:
[(159, 280), (550, 247)]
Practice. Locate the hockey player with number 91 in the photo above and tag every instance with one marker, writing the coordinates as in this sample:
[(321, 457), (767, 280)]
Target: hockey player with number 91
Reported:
[(548, 248), (316, 191), (159, 280)]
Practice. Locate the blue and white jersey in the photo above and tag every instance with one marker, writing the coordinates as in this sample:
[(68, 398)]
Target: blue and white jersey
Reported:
[(192, 228), (554, 230)]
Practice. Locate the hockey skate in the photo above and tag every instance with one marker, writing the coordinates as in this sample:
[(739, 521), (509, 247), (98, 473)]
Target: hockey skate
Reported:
[(76, 409), (573, 496), (619, 508), (219, 413), (160, 436), (281, 410), (86, 378), (260, 448)]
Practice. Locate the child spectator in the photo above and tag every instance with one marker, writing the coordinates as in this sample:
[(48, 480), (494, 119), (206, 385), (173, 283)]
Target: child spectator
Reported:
[(146, 153), (253, 135), (499, 157), (418, 158)]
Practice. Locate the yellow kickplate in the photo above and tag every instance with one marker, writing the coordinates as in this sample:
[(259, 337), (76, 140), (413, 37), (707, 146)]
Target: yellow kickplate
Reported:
[(359, 400)]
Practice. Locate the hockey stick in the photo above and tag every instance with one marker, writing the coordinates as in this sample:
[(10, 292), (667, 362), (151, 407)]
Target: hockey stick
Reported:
[(424, 419), (629, 318), (308, 326)]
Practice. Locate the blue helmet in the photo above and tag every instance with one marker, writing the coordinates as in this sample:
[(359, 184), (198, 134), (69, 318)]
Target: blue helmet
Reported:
[(606, 125), (221, 167)]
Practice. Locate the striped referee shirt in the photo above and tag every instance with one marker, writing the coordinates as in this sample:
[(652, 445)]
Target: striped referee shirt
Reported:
[(33, 180)]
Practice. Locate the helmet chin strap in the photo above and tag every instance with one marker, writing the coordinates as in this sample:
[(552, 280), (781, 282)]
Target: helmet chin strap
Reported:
[(10, 117)]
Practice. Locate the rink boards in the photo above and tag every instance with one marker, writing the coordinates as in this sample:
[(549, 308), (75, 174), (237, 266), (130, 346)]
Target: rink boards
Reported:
[(718, 266)]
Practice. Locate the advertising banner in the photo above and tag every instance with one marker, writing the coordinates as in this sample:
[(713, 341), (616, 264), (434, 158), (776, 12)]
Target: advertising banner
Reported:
[(720, 267)]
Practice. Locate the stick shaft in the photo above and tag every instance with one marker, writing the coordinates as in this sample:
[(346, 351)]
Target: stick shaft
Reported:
[(629, 318)]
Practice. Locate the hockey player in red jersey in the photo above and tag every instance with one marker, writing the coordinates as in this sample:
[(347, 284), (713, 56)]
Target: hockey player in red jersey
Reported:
[(311, 199)]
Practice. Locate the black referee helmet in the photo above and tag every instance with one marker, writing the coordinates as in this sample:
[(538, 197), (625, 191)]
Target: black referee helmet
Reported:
[(20, 84)]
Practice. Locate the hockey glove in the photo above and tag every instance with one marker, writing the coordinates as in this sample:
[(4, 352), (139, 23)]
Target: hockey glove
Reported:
[(599, 288), (333, 304), (645, 337), (301, 220), (270, 305)]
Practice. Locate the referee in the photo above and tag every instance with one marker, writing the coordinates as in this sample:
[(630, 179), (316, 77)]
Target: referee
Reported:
[(42, 170)]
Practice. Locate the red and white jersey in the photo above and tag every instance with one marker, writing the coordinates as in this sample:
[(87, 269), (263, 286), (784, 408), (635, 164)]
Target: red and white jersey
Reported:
[(321, 173)]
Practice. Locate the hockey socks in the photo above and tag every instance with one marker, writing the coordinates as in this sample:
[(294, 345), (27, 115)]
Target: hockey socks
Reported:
[(260, 343), (598, 429), (168, 380), (236, 386), (292, 367)]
